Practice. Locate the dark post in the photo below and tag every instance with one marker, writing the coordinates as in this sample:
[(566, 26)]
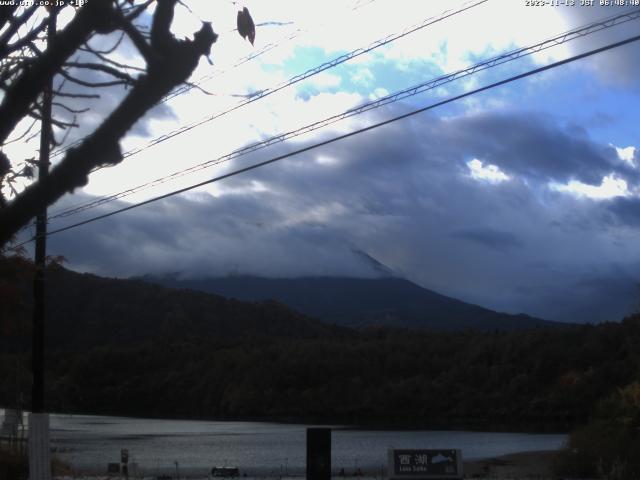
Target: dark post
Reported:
[(39, 450), (37, 392), (318, 454)]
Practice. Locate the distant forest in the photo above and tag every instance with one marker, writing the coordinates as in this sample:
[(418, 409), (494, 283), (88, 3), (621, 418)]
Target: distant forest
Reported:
[(107, 355), (536, 379)]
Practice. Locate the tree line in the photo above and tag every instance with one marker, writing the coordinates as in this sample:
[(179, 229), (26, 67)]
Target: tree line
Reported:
[(193, 355)]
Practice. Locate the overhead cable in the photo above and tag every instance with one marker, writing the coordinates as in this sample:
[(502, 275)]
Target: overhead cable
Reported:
[(395, 97), (308, 74), (345, 136)]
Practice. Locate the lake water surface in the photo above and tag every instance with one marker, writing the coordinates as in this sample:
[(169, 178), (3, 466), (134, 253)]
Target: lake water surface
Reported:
[(89, 443)]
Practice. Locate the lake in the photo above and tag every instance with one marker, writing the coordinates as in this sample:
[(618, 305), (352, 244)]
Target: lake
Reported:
[(89, 443)]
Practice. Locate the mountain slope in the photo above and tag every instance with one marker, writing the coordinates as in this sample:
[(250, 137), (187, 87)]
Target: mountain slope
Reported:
[(358, 302), (84, 311), (128, 348)]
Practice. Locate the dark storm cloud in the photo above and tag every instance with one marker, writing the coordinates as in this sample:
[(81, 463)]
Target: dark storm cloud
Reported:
[(206, 236), (625, 211), (608, 294), (527, 145), (396, 194), (536, 147), (495, 239)]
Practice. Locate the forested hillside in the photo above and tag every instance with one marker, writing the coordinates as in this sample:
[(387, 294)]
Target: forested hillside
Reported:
[(124, 347), (522, 379), (84, 311)]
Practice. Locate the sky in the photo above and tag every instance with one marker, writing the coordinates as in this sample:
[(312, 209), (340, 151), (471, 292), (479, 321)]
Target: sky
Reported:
[(523, 198)]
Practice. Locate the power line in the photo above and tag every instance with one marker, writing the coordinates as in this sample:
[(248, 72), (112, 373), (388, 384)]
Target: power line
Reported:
[(353, 54), (298, 32), (191, 85), (348, 135), (309, 73), (247, 58), (400, 95)]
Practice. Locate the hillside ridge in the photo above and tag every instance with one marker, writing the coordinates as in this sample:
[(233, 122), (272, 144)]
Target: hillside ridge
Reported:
[(359, 302)]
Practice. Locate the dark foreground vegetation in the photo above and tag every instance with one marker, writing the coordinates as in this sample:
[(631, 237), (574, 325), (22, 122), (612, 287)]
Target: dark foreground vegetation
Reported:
[(128, 348), (13, 464), (608, 446)]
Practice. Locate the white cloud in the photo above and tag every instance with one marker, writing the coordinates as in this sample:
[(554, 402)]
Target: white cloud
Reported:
[(282, 112), (490, 173), (362, 76), (378, 93), (610, 187), (251, 187), (325, 80), (627, 154), (482, 31), (327, 160)]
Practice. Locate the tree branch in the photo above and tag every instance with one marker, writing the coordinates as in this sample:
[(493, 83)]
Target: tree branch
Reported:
[(95, 15), (23, 42), (85, 83), (6, 13), (56, 142), (161, 26), (15, 24), (57, 123), (89, 48), (9, 71), (26, 132), (106, 59), (99, 67), (77, 95), (138, 40), (137, 10), (69, 109), (175, 65)]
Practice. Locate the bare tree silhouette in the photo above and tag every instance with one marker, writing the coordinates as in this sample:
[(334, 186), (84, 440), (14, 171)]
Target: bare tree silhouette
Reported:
[(81, 72)]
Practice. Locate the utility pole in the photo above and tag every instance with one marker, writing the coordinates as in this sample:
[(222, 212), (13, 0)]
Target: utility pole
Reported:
[(39, 450)]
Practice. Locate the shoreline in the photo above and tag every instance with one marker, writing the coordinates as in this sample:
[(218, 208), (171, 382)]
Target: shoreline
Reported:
[(535, 464), (344, 424)]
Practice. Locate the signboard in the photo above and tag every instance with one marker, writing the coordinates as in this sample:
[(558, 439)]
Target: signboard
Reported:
[(425, 464)]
